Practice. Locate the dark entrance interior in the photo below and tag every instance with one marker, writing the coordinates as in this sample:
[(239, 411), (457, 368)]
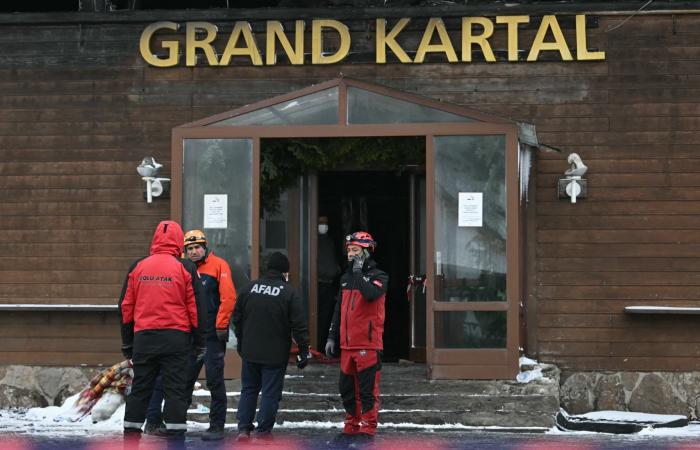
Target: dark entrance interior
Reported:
[(376, 201)]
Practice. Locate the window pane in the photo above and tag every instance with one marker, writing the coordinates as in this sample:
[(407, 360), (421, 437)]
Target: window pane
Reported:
[(208, 168), (319, 108), (368, 107), (470, 260), (470, 329)]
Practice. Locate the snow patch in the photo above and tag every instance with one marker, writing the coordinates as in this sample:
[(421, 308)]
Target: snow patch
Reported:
[(529, 375), (525, 361), (625, 416)]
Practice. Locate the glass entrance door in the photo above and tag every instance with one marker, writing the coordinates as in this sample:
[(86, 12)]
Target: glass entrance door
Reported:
[(473, 309), (222, 206)]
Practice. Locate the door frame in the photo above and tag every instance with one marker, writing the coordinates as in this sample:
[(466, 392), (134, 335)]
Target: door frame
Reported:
[(442, 363)]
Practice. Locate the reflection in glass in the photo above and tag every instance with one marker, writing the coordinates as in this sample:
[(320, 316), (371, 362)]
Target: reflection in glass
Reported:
[(470, 329), (319, 108), (208, 168), (470, 261), (368, 107)]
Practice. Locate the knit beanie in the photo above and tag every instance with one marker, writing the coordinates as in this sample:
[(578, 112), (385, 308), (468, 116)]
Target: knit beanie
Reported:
[(277, 261)]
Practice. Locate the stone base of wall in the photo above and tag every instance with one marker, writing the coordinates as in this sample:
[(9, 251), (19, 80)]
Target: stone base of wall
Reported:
[(579, 392), (39, 386), (647, 392)]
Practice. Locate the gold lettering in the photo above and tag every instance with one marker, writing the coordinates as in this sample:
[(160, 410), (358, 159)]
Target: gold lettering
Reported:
[(250, 50), (512, 22), (276, 30), (582, 53), (389, 40), (192, 44), (468, 39), (317, 56), (445, 45), (172, 46), (559, 44)]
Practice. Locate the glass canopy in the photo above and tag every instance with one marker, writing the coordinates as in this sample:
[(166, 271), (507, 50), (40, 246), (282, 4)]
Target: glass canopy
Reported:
[(365, 107), (362, 106), (319, 108)]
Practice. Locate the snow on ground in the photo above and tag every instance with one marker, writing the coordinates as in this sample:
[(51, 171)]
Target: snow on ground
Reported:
[(62, 421), (690, 431), (624, 416)]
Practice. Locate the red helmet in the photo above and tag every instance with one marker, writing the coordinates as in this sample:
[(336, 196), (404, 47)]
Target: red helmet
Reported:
[(362, 239)]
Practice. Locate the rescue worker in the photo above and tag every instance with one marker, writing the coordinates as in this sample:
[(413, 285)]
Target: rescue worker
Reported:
[(220, 298), (267, 314), (161, 321), (357, 328)]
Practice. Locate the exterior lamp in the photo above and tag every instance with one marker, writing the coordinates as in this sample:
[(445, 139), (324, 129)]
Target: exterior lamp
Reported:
[(573, 186), (155, 187)]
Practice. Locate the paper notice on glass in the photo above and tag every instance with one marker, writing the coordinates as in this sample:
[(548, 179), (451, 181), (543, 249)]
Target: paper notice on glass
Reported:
[(215, 210), (470, 209)]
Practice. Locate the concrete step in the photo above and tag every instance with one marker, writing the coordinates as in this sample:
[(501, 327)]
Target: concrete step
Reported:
[(409, 397), (420, 417)]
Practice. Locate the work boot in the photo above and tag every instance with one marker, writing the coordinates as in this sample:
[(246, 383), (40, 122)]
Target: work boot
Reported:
[(153, 427), (213, 433), (170, 435), (262, 435), (132, 434), (243, 436)]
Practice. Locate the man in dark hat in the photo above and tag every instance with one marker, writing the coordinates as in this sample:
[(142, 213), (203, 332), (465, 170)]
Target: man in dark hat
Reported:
[(266, 316)]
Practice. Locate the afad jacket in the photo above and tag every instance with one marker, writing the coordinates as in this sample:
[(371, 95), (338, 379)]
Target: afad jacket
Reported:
[(358, 320), (267, 315), (220, 292), (162, 304)]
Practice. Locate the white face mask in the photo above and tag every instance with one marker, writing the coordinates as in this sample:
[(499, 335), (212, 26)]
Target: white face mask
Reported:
[(322, 228)]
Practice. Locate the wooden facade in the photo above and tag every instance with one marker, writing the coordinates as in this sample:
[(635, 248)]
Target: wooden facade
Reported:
[(80, 108)]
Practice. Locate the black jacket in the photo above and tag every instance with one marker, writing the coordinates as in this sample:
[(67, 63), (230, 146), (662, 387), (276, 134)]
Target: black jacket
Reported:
[(267, 313)]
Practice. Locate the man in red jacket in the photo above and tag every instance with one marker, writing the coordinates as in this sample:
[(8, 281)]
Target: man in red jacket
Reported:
[(162, 313), (358, 326)]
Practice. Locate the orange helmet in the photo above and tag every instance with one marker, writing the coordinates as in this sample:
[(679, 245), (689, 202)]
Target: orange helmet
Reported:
[(195, 237), (362, 239)]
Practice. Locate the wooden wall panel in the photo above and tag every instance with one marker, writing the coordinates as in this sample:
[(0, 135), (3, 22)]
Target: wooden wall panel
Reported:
[(79, 109)]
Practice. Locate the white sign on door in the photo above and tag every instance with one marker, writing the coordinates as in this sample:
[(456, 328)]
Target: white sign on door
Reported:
[(470, 209), (215, 210)]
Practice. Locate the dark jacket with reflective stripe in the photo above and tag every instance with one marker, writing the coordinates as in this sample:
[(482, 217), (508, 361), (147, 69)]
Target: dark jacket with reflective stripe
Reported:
[(220, 292), (266, 316), (358, 320)]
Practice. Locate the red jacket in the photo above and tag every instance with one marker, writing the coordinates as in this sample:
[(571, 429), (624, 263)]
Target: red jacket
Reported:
[(358, 321), (159, 291)]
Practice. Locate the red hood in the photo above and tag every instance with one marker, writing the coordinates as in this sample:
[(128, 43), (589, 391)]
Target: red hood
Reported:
[(168, 238)]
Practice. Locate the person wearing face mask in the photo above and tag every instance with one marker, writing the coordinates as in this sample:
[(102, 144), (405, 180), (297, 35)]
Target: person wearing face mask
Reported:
[(357, 328), (267, 315), (328, 272)]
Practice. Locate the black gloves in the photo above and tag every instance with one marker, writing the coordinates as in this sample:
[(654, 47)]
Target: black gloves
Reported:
[(303, 357), (330, 348), (357, 262), (222, 335), (127, 351)]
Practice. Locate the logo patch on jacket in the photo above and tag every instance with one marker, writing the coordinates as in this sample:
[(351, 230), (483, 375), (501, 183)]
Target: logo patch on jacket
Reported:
[(266, 290), (377, 283)]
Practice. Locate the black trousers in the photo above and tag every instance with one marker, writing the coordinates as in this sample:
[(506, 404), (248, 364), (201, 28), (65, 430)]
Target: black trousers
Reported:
[(173, 367), (326, 305)]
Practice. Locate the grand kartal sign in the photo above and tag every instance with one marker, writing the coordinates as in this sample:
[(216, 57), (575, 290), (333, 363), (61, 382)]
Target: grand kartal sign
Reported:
[(161, 42)]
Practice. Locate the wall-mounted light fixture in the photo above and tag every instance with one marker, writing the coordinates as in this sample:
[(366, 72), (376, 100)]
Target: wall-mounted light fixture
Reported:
[(574, 186), (155, 187)]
